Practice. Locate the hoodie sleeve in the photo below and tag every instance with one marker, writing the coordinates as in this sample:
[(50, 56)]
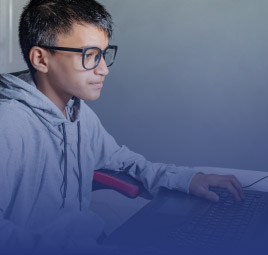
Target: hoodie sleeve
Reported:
[(109, 155)]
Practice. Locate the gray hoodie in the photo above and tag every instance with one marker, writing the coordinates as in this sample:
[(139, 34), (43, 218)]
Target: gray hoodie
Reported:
[(47, 164)]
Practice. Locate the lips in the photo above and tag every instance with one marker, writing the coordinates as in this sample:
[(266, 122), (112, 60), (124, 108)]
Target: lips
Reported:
[(97, 84)]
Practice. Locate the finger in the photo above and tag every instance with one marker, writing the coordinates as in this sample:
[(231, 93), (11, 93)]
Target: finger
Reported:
[(210, 195), (229, 186), (238, 186)]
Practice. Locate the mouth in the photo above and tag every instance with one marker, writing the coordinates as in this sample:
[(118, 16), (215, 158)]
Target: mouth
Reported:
[(97, 84)]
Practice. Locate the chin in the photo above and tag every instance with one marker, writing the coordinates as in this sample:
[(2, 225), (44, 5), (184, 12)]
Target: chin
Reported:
[(90, 97)]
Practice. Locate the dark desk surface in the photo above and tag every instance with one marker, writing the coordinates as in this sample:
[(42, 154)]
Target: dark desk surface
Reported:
[(150, 226)]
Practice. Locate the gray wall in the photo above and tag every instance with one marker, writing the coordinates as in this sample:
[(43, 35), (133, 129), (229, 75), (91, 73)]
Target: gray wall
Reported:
[(189, 85), (10, 55)]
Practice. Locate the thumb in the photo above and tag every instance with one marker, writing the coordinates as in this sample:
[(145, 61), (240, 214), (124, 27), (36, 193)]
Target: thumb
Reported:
[(210, 195)]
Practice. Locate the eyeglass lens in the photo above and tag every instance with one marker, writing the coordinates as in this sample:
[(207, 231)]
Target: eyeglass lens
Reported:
[(93, 56)]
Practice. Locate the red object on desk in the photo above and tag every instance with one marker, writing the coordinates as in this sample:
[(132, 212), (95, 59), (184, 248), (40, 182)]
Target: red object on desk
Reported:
[(116, 183)]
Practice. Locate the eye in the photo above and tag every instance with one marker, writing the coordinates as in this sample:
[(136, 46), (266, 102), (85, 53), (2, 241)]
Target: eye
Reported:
[(88, 55), (97, 57)]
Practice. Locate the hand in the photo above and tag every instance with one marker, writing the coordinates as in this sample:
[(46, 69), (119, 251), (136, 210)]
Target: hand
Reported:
[(201, 183)]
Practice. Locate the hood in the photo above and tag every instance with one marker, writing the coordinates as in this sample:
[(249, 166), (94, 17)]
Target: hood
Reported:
[(21, 87)]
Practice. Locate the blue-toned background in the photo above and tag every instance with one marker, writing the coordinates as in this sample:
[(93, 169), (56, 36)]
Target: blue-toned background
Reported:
[(189, 85)]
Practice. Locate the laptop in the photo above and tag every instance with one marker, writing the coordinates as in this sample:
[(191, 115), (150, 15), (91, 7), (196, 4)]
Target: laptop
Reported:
[(174, 221)]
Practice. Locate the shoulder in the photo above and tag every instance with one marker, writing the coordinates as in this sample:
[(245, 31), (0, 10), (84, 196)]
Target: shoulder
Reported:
[(13, 115)]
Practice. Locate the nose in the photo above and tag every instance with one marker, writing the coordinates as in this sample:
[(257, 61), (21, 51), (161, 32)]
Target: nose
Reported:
[(102, 68)]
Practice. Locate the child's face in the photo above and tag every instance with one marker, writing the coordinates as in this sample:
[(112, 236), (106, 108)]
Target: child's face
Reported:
[(66, 75)]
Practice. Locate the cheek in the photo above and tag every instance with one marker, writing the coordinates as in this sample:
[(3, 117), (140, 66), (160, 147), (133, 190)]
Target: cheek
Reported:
[(79, 81), (83, 78), (64, 64), (72, 63), (58, 69), (65, 73)]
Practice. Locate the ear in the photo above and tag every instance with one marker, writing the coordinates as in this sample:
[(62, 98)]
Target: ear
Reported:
[(39, 59)]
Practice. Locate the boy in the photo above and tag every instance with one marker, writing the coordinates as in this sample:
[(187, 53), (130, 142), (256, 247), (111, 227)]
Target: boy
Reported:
[(51, 141)]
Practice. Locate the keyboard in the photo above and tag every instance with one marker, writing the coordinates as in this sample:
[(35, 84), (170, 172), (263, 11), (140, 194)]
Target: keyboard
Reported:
[(223, 222)]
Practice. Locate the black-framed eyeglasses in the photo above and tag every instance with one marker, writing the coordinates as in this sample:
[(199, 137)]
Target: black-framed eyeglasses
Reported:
[(91, 56)]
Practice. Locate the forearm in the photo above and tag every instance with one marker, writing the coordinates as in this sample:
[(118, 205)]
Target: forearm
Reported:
[(152, 175)]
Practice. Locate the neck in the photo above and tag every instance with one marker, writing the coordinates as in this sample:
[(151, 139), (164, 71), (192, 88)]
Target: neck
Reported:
[(64, 113)]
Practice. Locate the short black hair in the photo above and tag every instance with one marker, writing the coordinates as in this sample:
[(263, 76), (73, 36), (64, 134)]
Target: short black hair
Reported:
[(42, 21)]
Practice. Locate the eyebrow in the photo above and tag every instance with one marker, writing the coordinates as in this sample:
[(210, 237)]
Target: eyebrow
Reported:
[(88, 46)]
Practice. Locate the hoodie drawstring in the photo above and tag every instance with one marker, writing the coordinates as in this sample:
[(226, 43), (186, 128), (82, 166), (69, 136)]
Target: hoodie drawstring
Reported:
[(64, 183), (79, 166)]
